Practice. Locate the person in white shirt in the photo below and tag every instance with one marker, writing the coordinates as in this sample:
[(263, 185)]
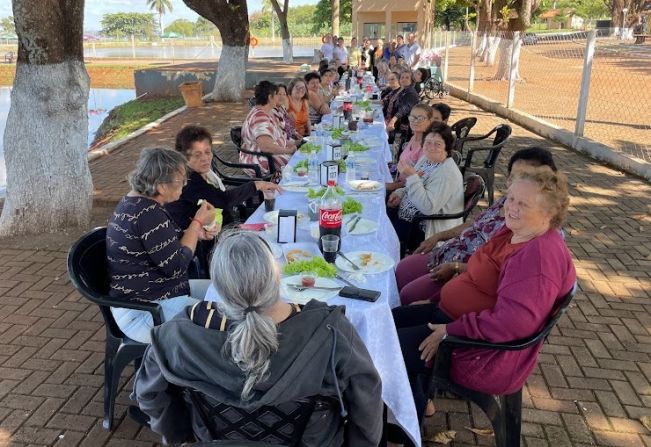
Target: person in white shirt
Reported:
[(341, 56), (401, 47), (327, 48), (412, 54)]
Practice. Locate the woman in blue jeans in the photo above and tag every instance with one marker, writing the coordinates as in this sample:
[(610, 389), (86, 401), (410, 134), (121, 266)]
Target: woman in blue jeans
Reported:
[(148, 254)]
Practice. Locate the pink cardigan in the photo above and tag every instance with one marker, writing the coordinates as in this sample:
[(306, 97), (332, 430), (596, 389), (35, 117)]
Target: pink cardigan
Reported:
[(530, 283)]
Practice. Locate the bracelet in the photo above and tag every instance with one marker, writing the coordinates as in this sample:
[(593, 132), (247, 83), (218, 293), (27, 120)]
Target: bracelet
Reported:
[(197, 221), (456, 267)]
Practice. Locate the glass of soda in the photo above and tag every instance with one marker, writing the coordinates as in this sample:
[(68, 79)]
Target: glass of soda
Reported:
[(269, 200), (329, 247)]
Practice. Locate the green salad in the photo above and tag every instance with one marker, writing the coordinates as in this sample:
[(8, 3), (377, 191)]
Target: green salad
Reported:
[(308, 148), (301, 164), (363, 104), (355, 147), (337, 133), (317, 193), (317, 265), (351, 206), (342, 165)]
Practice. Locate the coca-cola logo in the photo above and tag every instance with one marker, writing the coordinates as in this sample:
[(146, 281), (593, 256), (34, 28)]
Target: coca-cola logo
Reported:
[(330, 218)]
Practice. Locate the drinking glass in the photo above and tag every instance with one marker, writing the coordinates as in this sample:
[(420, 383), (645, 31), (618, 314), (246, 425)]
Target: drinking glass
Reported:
[(330, 247)]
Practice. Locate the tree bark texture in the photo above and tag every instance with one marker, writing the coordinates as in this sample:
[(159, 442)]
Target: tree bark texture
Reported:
[(49, 186), (232, 19), (288, 52), (335, 18)]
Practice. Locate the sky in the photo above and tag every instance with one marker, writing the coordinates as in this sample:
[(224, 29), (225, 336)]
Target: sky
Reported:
[(95, 9)]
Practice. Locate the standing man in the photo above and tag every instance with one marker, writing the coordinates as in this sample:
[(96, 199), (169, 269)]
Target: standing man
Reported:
[(327, 48), (401, 47), (413, 51), (340, 56)]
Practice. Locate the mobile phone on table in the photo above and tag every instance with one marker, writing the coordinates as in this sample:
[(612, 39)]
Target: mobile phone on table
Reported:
[(359, 294)]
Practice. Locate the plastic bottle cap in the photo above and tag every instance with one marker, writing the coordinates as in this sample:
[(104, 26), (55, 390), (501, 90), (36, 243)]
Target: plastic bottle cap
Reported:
[(331, 183)]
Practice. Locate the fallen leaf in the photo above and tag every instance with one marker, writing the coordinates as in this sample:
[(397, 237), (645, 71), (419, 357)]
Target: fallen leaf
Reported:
[(442, 437), (481, 431), (646, 421), (602, 227)]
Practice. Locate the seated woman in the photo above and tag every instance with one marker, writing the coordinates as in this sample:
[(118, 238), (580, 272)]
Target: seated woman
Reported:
[(420, 120), (400, 105), (511, 287), (299, 108), (393, 87), (433, 186), (421, 276), (261, 132), (421, 75), (195, 144), (382, 73), (253, 349), (316, 101), (285, 120), (327, 89), (148, 254), (442, 112)]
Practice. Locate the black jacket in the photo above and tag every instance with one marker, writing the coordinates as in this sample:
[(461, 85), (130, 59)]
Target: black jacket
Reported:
[(183, 210)]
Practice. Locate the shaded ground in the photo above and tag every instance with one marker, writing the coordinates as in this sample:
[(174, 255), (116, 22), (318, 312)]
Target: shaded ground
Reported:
[(590, 387)]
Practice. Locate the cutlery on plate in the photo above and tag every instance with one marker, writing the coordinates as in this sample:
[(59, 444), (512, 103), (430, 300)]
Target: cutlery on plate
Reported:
[(345, 281), (299, 288), (353, 224), (355, 266)]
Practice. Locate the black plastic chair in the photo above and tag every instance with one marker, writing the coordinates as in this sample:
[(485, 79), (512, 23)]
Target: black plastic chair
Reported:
[(502, 133), (283, 424), (88, 270), (461, 130), (236, 138), (504, 412), (473, 190)]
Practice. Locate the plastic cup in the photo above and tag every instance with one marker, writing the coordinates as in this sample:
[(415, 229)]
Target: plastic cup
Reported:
[(269, 200), (330, 247)]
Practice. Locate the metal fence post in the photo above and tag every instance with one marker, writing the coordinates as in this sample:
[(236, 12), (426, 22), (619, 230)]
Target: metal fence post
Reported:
[(513, 70), (133, 46), (582, 108), (445, 62), (471, 75)]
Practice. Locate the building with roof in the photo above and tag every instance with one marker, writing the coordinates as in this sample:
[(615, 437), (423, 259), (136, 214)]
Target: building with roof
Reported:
[(388, 18)]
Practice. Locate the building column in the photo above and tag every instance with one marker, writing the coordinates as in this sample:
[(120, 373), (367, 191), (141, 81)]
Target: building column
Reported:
[(387, 25)]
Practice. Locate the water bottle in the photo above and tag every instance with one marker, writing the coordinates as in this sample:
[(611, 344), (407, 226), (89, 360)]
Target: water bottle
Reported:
[(350, 168), (313, 169)]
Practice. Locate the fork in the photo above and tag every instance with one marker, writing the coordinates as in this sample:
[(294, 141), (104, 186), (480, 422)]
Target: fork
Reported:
[(303, 288), (355, 266)]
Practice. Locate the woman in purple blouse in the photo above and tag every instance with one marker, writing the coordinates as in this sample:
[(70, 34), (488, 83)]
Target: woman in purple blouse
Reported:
[(421, 275)]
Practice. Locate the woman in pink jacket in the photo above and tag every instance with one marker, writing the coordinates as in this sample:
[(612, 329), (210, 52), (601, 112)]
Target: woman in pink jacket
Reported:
[(508, 291)]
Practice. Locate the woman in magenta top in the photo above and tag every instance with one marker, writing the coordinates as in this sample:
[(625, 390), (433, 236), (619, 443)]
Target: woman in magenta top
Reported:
[(510, 288)]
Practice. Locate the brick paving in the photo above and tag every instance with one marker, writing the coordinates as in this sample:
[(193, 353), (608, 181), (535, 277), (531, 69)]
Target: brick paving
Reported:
[(591, 386)]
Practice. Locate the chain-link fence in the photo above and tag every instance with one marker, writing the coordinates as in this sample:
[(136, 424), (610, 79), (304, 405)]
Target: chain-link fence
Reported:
[(589, 83)]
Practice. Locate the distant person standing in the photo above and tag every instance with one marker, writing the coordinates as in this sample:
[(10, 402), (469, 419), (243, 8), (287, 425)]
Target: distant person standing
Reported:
[(341, 56), (413, 51), (401, 50), (367, 58), (327, 48), (354, 54)]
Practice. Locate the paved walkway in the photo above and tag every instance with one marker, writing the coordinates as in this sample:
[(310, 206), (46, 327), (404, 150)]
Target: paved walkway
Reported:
[(591, 386)]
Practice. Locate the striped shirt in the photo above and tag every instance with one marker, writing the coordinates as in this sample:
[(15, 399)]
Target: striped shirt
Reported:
[(146, 259)]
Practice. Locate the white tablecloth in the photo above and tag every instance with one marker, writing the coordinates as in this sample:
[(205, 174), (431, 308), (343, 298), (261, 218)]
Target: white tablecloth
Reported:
[(373, 321)]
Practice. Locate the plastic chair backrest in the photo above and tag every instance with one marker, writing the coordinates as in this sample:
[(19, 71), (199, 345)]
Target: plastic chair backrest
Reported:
[(462, 127), (236, 136), (473, 191), (283, 424), (502, 133), (89, 273)]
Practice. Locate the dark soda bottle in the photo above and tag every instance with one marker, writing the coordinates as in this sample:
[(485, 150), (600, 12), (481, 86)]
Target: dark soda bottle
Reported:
[(330, 217)]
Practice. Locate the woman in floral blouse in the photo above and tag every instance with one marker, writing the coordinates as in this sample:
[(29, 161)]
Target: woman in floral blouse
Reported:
[(421, 276)]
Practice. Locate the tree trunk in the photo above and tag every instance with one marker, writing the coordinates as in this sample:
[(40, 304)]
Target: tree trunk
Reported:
[(232, 19), (335, 18), (504, 60), (49, 186), (288, 54)]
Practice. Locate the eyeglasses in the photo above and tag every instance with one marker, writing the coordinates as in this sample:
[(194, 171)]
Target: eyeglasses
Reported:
[(417, 119), (183, 182)]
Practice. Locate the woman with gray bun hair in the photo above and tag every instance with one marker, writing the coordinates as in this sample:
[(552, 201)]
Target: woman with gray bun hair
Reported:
[(253, 349)]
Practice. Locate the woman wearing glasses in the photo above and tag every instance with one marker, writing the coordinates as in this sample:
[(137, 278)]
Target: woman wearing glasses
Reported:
[(420, 119), (148, 254), (400, 105)]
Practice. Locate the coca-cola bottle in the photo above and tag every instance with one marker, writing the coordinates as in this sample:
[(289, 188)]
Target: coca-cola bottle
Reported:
[(330, 214)]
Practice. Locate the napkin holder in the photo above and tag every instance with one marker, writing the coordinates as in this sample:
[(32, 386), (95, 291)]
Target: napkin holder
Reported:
[(287, 223), (333, 152), (329, 171)]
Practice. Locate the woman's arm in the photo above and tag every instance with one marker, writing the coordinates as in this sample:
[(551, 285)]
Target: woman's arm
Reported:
[(267, 144), (317, 103)]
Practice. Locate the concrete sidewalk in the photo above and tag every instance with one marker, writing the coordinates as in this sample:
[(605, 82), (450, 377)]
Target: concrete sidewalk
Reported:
[(591, 386)]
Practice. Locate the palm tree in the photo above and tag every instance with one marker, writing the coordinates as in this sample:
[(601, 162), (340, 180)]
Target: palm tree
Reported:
[(162, 7)]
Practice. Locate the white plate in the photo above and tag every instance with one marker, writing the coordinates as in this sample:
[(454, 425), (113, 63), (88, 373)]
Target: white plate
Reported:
[(306, 250), (365, 185), (272, 217), (379, 262), (364, 226), (312, 294)]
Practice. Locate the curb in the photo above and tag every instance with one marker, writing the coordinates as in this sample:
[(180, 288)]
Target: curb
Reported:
[(112, 146), (584, 145)]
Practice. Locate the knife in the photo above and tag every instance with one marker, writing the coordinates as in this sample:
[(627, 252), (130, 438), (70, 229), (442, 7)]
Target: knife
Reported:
[(352, 226), (297, 286), (345, 281), (355, 266)]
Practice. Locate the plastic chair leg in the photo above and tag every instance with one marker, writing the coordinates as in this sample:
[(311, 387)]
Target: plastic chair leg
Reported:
[(109, 396), (490, 181), (123, 356), (512, 415)]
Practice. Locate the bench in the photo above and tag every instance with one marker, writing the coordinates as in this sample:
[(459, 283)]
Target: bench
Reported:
[(9, 57), (641, 38)]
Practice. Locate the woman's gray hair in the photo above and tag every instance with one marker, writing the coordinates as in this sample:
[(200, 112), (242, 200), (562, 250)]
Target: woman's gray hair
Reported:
[(155, 166), (244, 272)]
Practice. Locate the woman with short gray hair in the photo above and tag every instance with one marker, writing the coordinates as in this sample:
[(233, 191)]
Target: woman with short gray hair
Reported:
[(253, 349), (148, 254)]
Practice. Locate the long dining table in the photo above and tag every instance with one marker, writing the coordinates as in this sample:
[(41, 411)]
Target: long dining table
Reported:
[(372, 320)]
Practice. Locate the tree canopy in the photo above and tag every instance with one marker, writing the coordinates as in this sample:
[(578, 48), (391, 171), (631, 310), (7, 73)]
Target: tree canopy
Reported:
[(323, 16), (7, 25), (181, 26), (300, 20), (124, 24)]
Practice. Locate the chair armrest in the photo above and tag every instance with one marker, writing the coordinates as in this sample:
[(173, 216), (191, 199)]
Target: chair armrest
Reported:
[(254, 167), (270, 160), (418, 218), (482, 137), (153, 308), (516, 345)]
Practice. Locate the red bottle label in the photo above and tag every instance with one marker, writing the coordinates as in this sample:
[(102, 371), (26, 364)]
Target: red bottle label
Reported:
[(330, 218)]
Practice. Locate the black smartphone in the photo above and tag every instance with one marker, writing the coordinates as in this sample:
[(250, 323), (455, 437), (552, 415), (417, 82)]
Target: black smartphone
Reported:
[(359, 294)]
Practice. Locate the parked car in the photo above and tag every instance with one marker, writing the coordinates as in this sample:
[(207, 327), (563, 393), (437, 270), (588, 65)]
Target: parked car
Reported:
[(530, 39)]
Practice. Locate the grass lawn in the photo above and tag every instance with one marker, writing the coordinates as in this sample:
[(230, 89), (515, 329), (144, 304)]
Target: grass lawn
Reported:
[(133, 115)]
